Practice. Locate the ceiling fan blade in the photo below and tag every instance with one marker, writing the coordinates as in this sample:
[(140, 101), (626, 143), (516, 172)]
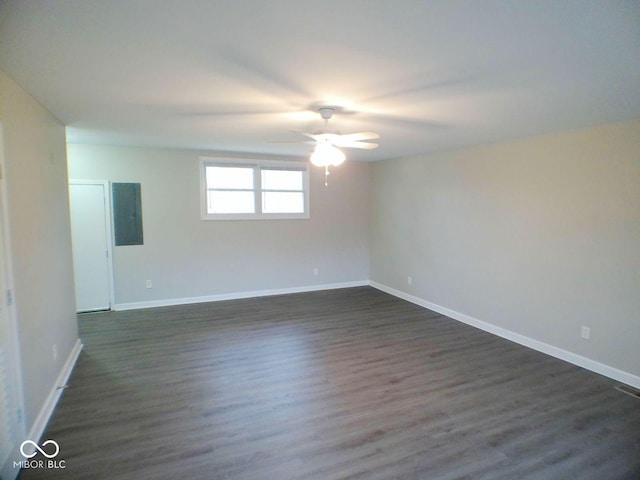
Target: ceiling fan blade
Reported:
[(306, 134), (366, 145), (310, 135), (351, 137)]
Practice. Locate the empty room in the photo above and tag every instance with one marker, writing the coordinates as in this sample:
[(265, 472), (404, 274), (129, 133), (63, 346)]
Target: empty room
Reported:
[(319, 240)]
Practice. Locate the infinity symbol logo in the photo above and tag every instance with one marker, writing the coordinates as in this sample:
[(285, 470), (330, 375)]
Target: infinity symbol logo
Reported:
[(35, 445)]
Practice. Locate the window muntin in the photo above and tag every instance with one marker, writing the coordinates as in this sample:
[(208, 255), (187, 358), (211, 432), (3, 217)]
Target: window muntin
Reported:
[(235, 190)]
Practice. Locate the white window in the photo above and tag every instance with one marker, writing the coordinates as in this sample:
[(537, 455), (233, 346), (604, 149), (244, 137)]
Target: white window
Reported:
[(233, 189)]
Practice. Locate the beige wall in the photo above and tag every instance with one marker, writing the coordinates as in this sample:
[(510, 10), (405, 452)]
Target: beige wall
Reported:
[(538, 236), (186, 257), (36, 172)]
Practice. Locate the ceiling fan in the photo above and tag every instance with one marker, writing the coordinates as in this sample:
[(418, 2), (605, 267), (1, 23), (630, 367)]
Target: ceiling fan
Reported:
[(326, 152), (352, 140)]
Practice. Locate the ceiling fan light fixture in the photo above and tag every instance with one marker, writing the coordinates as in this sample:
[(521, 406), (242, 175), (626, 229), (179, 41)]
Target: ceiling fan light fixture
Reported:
[(325, 154)]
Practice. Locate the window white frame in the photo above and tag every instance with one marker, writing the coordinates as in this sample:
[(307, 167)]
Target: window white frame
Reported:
[(257, 166)]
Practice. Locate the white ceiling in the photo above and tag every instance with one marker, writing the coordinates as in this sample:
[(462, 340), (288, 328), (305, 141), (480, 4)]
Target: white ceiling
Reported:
[(234, 76)]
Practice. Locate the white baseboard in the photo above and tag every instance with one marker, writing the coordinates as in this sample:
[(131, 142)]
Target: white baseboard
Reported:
[(40, 424), (236, 295), (579, 360)]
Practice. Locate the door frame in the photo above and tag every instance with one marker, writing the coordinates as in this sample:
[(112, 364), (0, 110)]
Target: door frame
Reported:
[(106, 184)]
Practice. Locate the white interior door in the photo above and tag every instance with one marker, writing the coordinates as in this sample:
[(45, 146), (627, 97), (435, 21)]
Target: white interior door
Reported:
[(10, 412), (11, 399), (91, 237)]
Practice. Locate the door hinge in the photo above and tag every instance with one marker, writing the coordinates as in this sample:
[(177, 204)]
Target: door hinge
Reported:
[(19, 415), (9, 298)]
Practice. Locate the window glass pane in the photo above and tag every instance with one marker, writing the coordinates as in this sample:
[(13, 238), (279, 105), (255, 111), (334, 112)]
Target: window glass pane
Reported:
[(281, 180), (282, 202), (230, 202), (230, 177)]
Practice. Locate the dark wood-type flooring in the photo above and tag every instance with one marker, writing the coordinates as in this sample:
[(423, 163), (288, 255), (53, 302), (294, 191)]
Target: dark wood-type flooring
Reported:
[(339, 384)]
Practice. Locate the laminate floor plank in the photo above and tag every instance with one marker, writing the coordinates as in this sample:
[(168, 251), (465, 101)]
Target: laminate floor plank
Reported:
[(339, 384)]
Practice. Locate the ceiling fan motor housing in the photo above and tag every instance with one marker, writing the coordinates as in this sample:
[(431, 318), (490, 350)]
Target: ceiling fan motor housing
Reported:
[(326, 112)]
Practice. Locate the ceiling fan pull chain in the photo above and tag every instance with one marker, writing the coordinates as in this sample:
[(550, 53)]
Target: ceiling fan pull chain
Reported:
[(326, 175)]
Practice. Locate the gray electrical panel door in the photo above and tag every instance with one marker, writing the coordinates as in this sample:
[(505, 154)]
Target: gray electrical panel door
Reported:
[(127, 214)]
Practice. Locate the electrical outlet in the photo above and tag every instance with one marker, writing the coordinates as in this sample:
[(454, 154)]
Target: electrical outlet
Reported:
[(54, 352), (585, 332), (149, 284), (315, 272), (409, 280)]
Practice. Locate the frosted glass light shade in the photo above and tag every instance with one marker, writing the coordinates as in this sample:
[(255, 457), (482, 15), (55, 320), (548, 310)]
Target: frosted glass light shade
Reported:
[(326, 154)]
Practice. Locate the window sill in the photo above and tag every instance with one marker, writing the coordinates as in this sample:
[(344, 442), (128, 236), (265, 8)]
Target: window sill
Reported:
[(255, 216)]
